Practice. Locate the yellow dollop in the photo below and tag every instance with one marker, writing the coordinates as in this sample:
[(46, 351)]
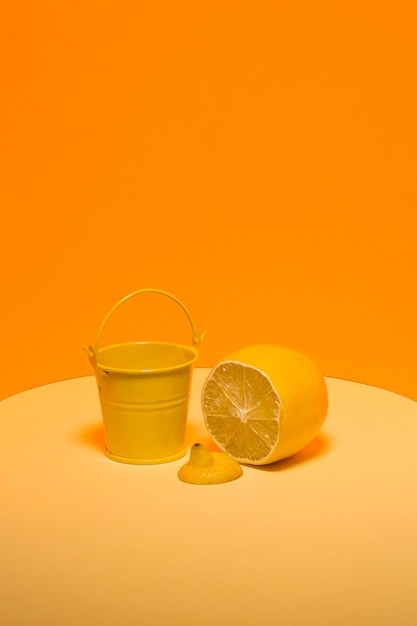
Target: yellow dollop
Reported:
[(209, 468)]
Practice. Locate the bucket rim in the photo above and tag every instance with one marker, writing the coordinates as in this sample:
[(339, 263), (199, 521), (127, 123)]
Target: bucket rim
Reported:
[(120, 370)]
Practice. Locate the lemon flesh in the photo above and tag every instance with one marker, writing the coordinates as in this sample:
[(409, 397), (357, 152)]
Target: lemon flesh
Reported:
[(264, 403), (209, 468)]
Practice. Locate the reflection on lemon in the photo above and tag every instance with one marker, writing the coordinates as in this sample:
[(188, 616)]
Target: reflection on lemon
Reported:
[(208, 468), (264, 403)]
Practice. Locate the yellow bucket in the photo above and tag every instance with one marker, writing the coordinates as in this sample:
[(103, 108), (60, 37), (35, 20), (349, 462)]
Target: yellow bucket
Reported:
[(144, 392)]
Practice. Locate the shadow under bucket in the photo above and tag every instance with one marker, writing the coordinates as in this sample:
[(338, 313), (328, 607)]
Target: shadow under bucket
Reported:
[(144, 391)]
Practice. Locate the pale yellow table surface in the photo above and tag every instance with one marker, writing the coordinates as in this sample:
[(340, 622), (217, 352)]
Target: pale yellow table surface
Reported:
[(328, 537)]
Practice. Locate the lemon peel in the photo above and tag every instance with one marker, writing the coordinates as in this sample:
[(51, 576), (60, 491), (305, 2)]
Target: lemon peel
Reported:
[(208, 468), (264, 403)]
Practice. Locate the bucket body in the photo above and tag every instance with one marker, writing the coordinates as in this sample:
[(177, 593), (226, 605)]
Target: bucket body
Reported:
[(144, 400), (144, 390)]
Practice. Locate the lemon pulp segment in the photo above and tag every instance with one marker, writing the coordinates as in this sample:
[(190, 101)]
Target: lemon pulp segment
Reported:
[(242, 411)]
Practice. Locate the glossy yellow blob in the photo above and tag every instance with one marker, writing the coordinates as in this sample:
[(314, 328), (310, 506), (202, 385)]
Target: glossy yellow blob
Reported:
[(209, 468)]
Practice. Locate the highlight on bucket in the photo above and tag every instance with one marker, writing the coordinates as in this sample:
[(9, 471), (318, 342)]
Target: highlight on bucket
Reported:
[(144, 390)]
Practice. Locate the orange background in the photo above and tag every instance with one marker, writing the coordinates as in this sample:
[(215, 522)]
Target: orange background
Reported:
[(256, 159)]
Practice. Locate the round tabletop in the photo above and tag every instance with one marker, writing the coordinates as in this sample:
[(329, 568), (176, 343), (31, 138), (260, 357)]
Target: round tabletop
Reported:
[(327, 537)]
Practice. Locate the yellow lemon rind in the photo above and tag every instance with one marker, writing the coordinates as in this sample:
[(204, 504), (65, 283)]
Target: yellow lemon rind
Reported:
[(300, 388)]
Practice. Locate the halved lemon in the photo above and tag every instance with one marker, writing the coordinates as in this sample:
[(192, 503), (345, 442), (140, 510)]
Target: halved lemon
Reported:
[(264, 403)]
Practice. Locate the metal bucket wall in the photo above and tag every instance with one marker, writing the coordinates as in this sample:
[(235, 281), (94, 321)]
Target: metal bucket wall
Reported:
[(144, 391)]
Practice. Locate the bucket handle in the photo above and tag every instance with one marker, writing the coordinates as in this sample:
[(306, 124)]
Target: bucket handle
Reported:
[(197, 337)]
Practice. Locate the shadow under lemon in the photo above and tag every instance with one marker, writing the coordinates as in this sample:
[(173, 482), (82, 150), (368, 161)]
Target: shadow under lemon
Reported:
[(318, 447)]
